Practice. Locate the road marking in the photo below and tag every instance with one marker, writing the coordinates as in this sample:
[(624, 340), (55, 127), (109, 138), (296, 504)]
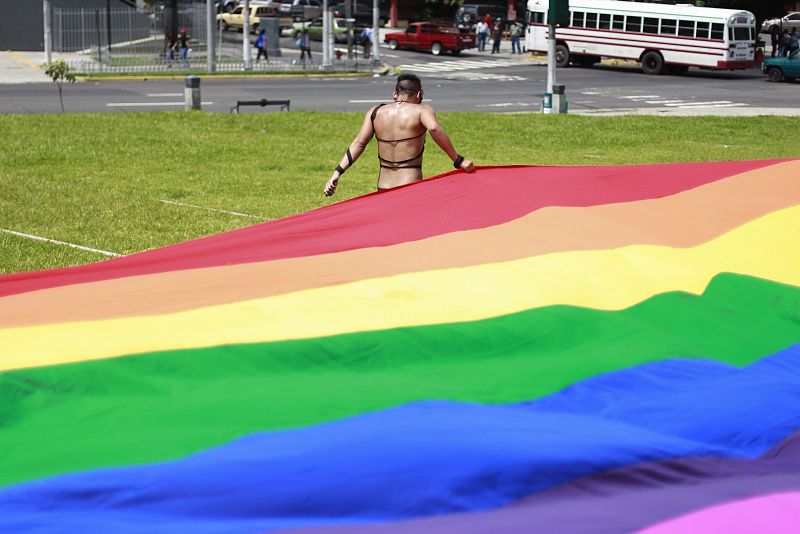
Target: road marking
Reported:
[(664, 101), (505, 105), (213, 209), (147, 104), (164, 95), (693, 104), (458, 65), (23, 59), (73, 245), (635, 97), (590, 93), (730, 105)]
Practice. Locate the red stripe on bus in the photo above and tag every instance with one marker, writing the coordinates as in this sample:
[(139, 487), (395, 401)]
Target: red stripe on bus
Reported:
[(645, 47), (635, 33)]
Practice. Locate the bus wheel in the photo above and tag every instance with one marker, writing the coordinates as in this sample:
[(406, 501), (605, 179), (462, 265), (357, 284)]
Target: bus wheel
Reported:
[(562, 56), (774, 74), (652, 63)]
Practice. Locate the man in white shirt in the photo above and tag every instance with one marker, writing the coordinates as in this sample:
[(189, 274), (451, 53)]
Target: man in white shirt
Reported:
[(482, 29)]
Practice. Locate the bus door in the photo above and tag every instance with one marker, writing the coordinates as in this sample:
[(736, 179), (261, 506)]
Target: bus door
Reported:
[(536, 32)]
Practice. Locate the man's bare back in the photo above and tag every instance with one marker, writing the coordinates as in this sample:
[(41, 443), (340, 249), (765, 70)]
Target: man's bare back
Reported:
[(400, 129)]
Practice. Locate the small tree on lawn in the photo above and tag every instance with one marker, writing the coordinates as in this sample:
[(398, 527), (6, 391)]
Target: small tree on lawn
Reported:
[(58, 71)]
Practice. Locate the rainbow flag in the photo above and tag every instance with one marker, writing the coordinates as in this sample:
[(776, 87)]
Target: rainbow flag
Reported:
[(579, 349)]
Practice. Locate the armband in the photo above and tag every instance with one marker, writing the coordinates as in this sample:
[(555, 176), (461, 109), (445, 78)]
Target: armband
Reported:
[(458, 161), (340, 170)]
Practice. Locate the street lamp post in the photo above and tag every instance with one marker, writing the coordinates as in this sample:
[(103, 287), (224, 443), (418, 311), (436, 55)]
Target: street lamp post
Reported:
[(48, 33), (246, 36), (376, 35)]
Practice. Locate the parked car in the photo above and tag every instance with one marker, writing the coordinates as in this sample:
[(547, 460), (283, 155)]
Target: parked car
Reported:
[(226, 6), (426, 36), (303, 9), (789, 22), (235, 19), (782, 68), (362, 13), (314, 28)]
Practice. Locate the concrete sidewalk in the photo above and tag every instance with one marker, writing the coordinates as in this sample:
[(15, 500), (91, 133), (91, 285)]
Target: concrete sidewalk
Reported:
[(26, 67)]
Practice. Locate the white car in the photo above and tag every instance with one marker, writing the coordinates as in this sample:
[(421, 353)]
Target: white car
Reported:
[(789, 22)]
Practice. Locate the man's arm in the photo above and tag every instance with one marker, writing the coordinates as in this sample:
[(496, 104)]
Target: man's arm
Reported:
[(353, 152), (428, 118)]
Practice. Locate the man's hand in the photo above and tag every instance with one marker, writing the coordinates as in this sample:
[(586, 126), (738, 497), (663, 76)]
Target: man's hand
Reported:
[(467, 165), (330, 187)]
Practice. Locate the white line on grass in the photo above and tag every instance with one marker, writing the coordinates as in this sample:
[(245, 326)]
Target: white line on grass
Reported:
[(73, 245), (213, 209), (145, 104)]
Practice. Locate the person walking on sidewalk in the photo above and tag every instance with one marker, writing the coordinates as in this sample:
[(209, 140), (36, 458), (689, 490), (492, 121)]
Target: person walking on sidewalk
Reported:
[(516, 31), (183, 48), (305, 45), (261, 45), (497, 35)]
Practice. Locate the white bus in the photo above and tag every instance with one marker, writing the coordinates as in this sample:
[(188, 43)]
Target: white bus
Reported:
[(661, 37)]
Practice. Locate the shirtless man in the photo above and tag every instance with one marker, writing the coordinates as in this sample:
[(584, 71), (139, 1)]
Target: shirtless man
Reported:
[(400, 129)]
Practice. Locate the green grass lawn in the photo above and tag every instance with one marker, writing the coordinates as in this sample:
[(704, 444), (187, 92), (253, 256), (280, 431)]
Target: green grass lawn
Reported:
[(99, 180)]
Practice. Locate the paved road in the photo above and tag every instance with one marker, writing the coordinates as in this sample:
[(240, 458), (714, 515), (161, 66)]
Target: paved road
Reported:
[(471, 82)]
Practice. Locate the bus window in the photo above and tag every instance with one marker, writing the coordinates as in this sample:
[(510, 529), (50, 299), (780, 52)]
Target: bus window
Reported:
[(702, 30), (718, 31), (577, 19), (605, 21), (686, 28), (538, 17), (669, 26), (618, 22), (591, 20), (741, 33), (650, 25), (633, 24)]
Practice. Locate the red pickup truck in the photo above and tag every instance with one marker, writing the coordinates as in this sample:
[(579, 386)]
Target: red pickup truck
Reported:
[(426, 36)]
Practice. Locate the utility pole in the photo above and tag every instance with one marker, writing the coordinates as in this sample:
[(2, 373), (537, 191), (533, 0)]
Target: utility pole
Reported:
[(48, 32), (348, 13), (108, 28), (210, 37), (376, 31), (246, 36), (326, 28), (557, 15)]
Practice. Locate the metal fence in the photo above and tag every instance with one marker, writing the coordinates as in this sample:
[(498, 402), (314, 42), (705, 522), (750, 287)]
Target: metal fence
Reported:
[(109, 36), (133, 41)]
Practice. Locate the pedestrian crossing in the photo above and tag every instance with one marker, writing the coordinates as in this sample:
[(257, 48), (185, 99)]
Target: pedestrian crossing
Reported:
[(459, 65), (482, 77), (671, 102)]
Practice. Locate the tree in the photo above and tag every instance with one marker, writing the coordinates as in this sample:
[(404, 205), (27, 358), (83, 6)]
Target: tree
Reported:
[(59, 72)]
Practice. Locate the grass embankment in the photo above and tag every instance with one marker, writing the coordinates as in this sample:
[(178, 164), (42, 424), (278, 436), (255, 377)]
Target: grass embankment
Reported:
[(99, 180)]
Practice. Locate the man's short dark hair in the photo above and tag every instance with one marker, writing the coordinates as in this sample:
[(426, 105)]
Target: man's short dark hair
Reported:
[(408, 83)]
